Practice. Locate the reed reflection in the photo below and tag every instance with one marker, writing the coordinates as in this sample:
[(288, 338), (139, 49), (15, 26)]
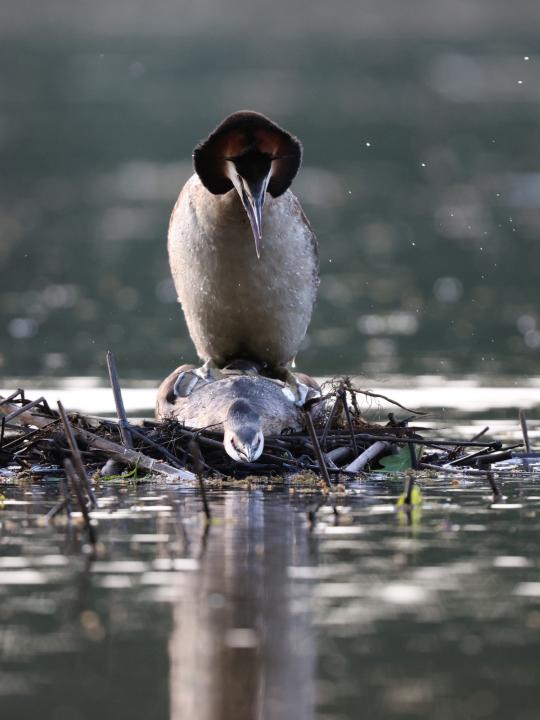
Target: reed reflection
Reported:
[(242, 644)]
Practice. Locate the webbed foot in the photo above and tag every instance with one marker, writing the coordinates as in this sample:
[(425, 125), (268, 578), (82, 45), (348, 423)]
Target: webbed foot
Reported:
[(189, 379), (299, 388)]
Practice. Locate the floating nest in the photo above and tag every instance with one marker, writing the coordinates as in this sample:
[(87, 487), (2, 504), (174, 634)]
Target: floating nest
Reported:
[(339, 446), (37, 440)]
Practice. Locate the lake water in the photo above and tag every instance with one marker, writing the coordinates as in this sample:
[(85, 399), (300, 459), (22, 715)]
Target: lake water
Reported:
[(419, 123), (421, 179), (379, 615)]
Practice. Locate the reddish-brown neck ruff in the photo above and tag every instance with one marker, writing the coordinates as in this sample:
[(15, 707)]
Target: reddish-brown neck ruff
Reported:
[(258, 148)]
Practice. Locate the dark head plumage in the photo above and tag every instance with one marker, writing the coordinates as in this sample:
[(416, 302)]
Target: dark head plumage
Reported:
[(256, 145), (243, 438), (251, 153)]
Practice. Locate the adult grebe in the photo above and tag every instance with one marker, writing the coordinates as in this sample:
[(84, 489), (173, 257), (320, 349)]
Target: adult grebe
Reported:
[(245, 405), (241, 301)]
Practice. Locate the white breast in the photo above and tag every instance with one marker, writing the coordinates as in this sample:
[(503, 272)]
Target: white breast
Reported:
[(234, 304)]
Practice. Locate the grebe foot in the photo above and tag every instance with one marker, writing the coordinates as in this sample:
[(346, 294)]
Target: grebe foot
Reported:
[(295, 390), (188, 380), (209, 371)]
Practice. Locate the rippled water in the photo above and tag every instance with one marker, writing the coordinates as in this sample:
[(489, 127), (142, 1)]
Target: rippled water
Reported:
[(380, 615), (420, 178), (418, 121)]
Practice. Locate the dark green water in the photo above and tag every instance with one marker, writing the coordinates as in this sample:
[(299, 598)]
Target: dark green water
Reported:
[(421, 175), (264, 618), (421, 179)]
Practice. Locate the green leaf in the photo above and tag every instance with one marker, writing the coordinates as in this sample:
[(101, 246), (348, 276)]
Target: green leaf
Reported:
[(401, 461)]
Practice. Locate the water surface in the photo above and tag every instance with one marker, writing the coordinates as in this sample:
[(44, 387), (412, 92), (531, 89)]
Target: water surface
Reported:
[(382, 614), (420, 178)]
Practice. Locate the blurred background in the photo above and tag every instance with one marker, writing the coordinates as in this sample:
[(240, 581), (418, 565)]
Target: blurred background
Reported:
[(421, 175)]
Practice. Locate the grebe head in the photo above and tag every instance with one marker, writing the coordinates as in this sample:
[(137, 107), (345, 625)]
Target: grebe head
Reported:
[(243, 438), (249, 152)]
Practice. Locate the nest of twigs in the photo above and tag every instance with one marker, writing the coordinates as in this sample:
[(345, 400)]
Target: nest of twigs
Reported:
[(339, 444)]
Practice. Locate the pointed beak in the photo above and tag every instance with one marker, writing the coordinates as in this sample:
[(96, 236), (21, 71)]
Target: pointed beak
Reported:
[(253, 204), (243, 450), (249, 453), (245, 454), (252, 194)]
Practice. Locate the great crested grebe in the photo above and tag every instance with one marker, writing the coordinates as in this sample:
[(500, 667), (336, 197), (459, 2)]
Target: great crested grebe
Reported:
[(246, 406), (240, 300)]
